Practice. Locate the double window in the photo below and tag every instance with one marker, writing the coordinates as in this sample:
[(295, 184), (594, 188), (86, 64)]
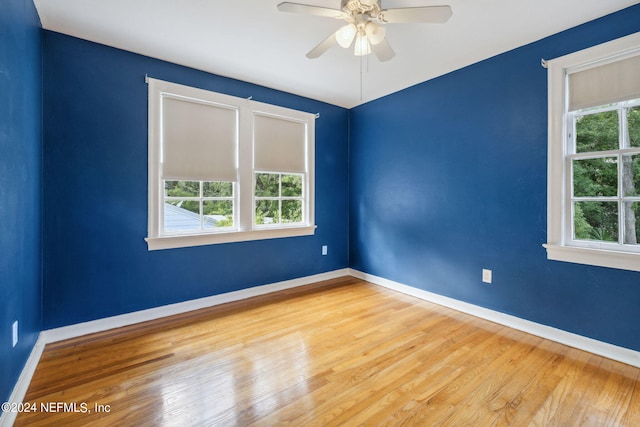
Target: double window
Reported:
[(594, 156), (226, 169)]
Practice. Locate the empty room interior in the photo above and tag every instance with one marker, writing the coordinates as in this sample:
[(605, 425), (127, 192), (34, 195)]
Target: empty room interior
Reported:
[(356, 212)]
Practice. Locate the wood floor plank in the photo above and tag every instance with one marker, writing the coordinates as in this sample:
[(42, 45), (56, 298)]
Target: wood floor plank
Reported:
[(341, 352)]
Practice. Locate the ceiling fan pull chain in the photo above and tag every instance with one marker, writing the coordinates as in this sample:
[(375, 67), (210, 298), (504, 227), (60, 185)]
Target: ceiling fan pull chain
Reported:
[(361, 59)]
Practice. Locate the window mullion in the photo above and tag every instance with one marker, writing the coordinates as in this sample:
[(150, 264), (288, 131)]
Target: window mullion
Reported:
[(621, 226), (246, 173), (569, 200), (279, 198), (570, 134), (595, 199), (622, 126), (622, 132), (602, 154), (200, 205)]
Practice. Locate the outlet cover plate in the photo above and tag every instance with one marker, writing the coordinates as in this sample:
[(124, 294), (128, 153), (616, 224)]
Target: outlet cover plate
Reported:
[(486, 275), (15, 333)]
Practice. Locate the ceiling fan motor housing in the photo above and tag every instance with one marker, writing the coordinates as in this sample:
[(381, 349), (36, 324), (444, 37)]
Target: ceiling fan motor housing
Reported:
[(365, 7)]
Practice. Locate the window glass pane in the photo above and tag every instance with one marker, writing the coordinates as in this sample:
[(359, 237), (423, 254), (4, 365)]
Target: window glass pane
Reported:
[(631, 175), (189, 205), (597, 132), (267, 185), (217, 189), (267, 212), (595, 177), (291, 185), (596, 221), (217, 213), (181, 215), (291, 211), (632, 223), (182, 188), (633, 121)]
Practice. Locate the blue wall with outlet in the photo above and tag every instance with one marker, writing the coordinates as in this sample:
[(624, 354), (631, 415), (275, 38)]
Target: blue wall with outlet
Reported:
[(449, 177), (96, 262), (20, 186)]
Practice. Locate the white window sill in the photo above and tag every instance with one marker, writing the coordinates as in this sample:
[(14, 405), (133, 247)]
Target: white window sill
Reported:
[(598, 257), (182, 241)]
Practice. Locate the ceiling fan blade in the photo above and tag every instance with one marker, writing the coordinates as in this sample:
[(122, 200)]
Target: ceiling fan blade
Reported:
[(427, 14), (310, 10), (383, 51), (323, 46)]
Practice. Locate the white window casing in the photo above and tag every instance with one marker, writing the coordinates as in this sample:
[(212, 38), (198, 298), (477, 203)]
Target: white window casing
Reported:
[(199, 135), (599, 75)]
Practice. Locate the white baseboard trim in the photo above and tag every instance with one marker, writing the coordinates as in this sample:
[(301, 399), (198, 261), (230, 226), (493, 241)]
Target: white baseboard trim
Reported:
[(17, 395), (610, 351), (100, 325)]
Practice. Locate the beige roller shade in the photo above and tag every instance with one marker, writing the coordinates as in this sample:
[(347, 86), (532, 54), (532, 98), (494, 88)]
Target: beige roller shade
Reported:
[(279, 144), (199, 140), (605, 84)]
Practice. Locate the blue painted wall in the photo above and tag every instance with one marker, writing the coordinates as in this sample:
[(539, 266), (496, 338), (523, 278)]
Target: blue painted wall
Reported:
[(449, 177), (96, 262), (20, 185), (446, 178)]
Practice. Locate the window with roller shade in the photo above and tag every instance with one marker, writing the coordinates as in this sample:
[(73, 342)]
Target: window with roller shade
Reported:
[(279, 169), (225, 169), (594, 156)]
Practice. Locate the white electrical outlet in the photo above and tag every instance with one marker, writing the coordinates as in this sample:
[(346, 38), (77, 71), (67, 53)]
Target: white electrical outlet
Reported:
[(324, 249), (15, 333), (486, 275)]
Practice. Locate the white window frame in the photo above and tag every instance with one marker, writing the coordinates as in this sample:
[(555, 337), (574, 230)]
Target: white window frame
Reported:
[(560, 245), (244, 228)]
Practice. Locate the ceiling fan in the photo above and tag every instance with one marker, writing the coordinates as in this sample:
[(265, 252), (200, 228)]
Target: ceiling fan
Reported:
[(364, 24)]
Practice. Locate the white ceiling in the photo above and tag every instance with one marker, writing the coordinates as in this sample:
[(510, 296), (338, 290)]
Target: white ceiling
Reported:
[(250, 40)]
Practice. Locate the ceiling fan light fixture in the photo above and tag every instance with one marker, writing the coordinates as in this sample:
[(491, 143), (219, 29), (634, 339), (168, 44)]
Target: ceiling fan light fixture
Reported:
[(345, 35), (362, 44), (363, 19), (375, 33)]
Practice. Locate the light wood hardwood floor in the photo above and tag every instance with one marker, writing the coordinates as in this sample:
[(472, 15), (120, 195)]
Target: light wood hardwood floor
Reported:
[(343, 352)]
